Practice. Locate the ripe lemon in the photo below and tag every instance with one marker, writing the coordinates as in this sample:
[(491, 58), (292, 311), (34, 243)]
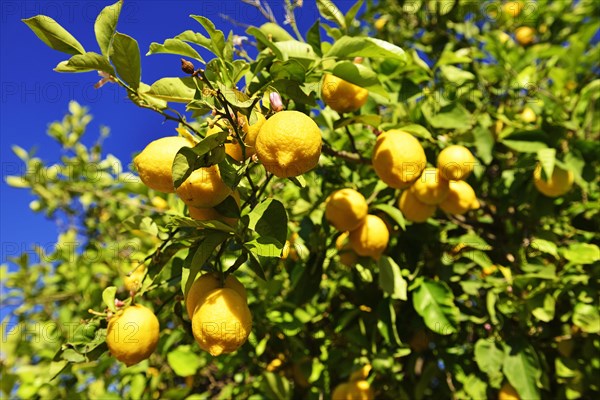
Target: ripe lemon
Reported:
[(361, 374), (507, 392), (559, 183), (133, 335), (342, 96), (347, 256), (133, 281), (355, 390), (155, 161), (206, 284), (431, 188), (345, 209), (398, 158), (207, 214), (461, 198), (528, 115), (414, 210), (289, 144), (204, 188), (221, 322), (370, 238), (512, 8), (456, 162), (525, 35)]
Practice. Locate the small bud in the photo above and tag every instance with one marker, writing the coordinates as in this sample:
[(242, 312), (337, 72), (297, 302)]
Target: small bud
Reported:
[(276, 103), (487, 327), (119, 303), (358, 60), (187, 66)]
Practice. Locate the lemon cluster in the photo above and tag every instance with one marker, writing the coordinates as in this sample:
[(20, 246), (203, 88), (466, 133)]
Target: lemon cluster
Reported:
[(221, 319), (367, 235), (399, 160)]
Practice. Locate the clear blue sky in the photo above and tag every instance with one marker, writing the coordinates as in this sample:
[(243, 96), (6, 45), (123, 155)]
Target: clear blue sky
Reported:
[(32, 95)]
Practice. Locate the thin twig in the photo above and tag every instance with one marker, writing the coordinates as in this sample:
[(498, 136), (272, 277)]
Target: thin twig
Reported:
[(345, 155)]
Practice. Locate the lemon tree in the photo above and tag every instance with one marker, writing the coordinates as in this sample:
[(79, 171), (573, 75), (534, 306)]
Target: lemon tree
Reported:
[(399, 203)]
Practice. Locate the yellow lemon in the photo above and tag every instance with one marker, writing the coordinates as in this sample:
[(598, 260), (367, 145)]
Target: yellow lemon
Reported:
[(207, 214), (461, 198), (370, 238), (431, 188), (456, 162), (559, 183), (159, 203), (528, 115), (206, 284), (361, 374), (525, 35), (380, 23), (512, 8), (342, 96), (221, 322), (204, 188), (398, 158), (132, 335), (414, 210), (355, 390), (133, 281), (507, 392), (347, 256), (155, 161), (289, 144), (345, 209)]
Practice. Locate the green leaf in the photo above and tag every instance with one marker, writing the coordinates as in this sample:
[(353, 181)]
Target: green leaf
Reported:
[(189, 159), (347, 46), (351, 14), (417, 130), (276, 386), (265, 246), (202, 253), (294, 49), (365, 119), (390, 278), (330, 12), (456, 75), (586, 317), (174, 46), (264, 40), (451, 116), (489, 357), (357, 74), (269, 219), (178, 90), (108, 297), (184, 361), (484, 143), (522, 368), (582, 253), (313, 37), (73, 356), (434, 301), (195, 38), (525, 146), (89, 61), (543, 306), (54, 35), (392, 212), (217, 37), (547, 158), (106, 25), (125, 55)]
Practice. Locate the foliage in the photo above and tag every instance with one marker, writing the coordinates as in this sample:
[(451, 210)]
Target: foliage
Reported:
[(507, 292)]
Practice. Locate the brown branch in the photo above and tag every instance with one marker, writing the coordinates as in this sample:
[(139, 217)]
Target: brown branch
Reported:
[(346, 155)]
